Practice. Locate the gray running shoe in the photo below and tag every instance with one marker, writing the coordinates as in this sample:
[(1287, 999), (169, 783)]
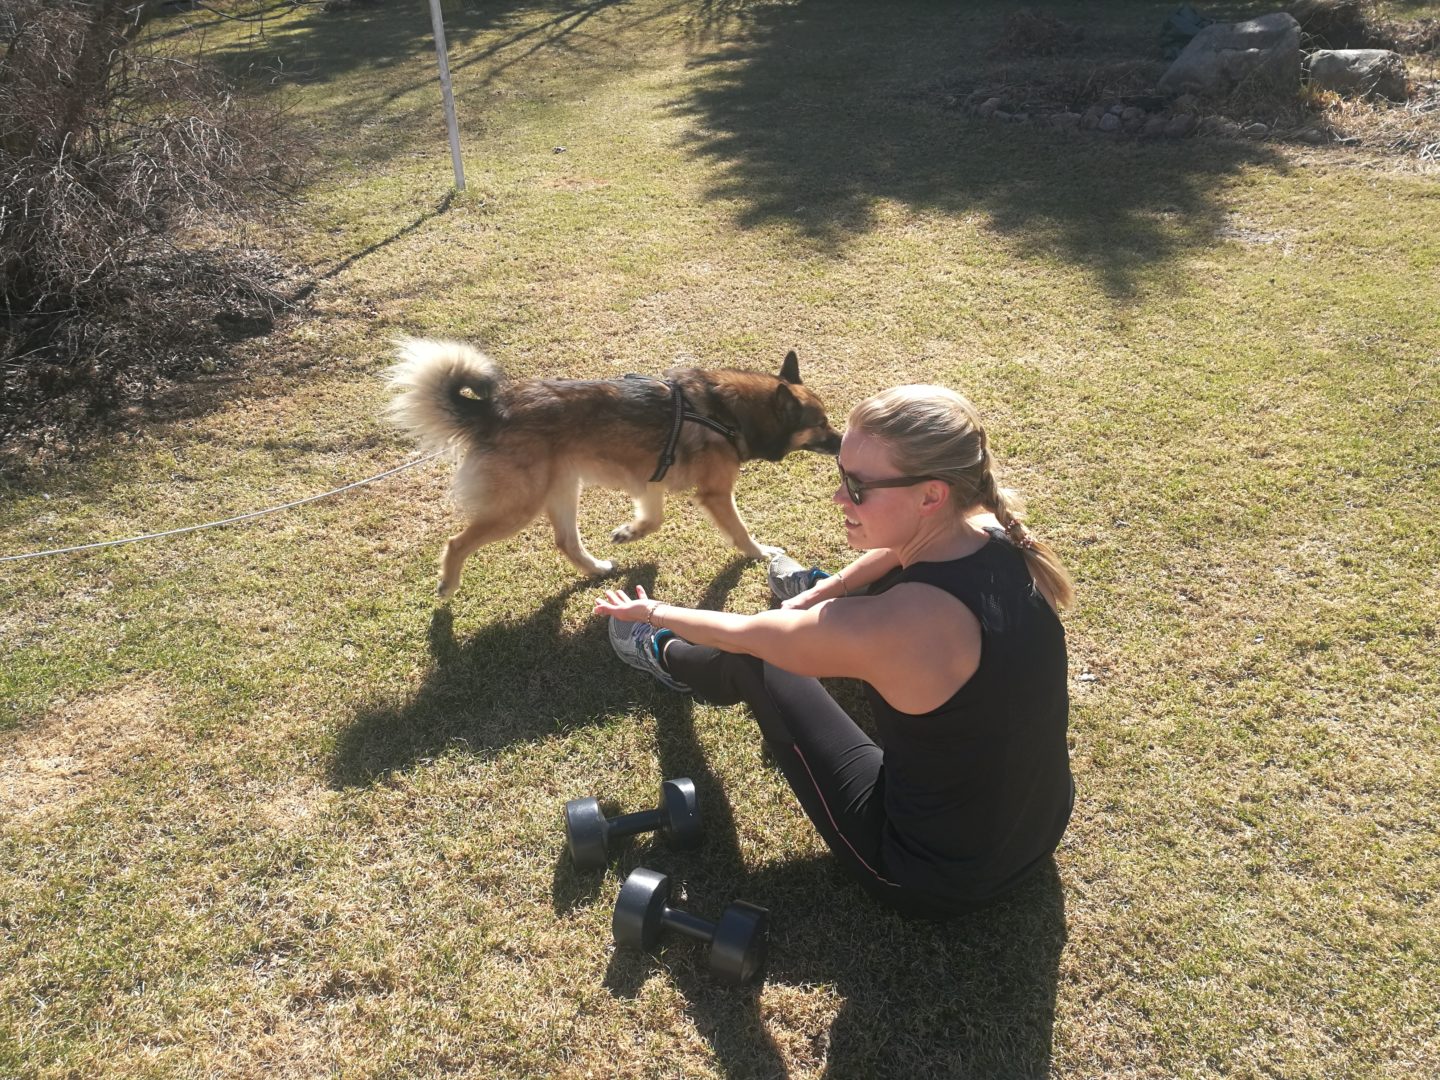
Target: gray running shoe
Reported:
[(638, 644), (788, 578)]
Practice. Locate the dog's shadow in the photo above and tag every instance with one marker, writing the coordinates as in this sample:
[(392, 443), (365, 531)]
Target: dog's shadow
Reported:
[(516, 680)]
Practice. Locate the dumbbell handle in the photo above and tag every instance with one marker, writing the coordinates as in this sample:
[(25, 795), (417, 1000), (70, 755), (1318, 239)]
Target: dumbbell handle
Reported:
[(691, 926), (630, 824)]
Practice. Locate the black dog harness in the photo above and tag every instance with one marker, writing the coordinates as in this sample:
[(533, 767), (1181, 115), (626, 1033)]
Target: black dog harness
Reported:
[(683, 412)]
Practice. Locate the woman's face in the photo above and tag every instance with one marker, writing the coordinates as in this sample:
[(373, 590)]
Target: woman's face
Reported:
[(886, 517)]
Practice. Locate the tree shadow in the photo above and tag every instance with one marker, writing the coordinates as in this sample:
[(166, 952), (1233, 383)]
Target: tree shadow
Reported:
[(821, 114), (320, 47)]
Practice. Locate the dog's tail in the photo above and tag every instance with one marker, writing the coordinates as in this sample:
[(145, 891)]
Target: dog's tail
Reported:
[(446, 391)]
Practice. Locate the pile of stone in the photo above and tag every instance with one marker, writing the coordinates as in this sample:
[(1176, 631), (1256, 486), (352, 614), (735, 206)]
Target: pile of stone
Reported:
[(1257, 55), (1224, 57)]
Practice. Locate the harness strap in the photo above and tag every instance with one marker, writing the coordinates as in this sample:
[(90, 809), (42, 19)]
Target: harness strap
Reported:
[(667, 455), (683, 412)]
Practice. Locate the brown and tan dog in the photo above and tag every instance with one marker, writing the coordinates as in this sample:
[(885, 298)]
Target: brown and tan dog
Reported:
[(530, 446)]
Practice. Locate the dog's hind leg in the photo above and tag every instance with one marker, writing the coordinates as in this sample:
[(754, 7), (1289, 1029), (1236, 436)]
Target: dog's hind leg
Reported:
[(720, 505), (563, 506), (649, 513), (469, 540)]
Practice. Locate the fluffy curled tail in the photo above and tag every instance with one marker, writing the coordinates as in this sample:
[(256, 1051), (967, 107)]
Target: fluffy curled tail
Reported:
[(446, 391)]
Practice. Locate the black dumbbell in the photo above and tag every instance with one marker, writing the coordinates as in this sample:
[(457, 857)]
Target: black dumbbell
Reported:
[(737, 942), (589, 831)]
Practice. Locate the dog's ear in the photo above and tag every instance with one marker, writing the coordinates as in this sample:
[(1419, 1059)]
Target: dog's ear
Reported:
[(790, 369), (786, 404)]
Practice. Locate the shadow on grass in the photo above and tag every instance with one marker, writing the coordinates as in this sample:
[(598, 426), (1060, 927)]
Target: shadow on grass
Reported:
[(816, 115), (321, 47), (514, 681), (974, 996), (828, 110)]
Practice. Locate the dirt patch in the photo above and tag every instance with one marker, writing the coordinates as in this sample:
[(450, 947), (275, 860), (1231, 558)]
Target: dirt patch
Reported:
[(294, 807), (48, 768)]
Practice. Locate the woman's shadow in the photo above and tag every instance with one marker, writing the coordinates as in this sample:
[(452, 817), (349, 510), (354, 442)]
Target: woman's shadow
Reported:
[(972, 997)]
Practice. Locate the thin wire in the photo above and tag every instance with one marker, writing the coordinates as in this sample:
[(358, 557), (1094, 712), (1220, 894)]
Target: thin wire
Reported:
[(225, 521)]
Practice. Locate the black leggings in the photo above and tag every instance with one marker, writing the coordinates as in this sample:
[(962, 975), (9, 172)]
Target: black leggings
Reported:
[(834, 768)]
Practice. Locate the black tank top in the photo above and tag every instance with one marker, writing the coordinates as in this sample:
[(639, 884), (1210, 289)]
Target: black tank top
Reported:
[(978, 791)]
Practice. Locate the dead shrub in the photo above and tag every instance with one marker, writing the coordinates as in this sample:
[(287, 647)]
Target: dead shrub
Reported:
[(109, 154), (1034, 33), (1358, 24)]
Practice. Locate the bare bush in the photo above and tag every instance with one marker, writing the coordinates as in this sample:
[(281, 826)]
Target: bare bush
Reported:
[(109, 151), (1035, 33)]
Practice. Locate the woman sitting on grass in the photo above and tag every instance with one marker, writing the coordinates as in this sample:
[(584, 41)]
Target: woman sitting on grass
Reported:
[(950, 619)]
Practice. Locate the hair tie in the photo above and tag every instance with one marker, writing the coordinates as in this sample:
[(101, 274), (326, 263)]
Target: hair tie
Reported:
[(1019, 535)]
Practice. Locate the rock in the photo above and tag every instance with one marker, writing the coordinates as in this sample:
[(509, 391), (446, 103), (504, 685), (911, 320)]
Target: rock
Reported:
[(1131, 114), (1313, 136), (1067, 121), (1002, 115), (1117, 109), (1153, 127), (989, 106), (1110, 122), (1187, 103), (1360, 71), (1256, 130), (1223, 55), (1179, 125)]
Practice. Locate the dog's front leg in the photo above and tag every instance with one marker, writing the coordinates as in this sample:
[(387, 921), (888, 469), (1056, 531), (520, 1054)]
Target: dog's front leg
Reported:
[(649, 513), (720, 505)]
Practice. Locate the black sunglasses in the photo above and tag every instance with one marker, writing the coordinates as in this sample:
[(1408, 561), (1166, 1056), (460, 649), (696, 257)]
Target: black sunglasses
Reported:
[(856, 488)]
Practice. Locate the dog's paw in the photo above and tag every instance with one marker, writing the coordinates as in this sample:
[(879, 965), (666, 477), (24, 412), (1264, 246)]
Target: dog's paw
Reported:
[(601, 568), (624, 534), (444, 590), (767, 552)]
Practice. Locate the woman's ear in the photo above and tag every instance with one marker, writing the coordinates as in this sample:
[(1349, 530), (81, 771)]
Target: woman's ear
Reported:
[(934, 495)]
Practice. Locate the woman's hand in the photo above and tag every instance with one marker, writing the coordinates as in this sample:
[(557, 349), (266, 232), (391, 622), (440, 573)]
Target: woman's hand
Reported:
[(616, 603)]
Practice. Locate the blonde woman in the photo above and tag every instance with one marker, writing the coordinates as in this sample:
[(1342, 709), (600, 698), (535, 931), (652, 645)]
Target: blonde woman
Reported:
[(950, 619)]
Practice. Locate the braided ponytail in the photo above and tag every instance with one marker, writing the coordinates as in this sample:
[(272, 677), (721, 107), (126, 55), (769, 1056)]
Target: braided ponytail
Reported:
[(1046, 569), (933, 431)]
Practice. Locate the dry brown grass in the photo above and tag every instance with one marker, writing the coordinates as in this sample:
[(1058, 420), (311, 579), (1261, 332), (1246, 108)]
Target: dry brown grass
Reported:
[(82, 745)]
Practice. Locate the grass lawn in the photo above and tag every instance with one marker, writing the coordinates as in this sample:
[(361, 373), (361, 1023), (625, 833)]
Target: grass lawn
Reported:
[(265, 809)]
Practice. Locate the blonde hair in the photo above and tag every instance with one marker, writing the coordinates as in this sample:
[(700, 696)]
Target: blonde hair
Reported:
[(933, 431)]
